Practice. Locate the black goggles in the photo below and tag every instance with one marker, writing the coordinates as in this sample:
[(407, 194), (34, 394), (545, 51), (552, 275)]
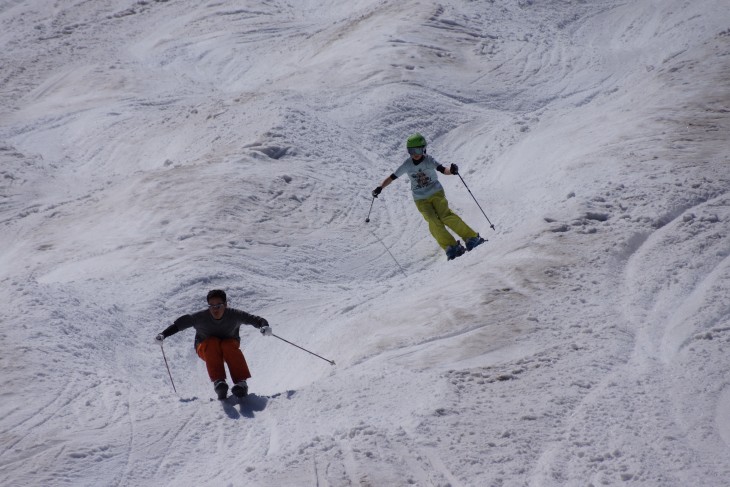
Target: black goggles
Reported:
[(416, 151)]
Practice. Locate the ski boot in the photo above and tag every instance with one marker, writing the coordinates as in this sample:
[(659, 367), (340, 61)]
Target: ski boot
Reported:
[(455, 251), (221, 388), (240, 389), (473, 242)]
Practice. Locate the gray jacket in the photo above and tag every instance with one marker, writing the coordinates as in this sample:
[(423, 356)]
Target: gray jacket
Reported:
[(206, 326)]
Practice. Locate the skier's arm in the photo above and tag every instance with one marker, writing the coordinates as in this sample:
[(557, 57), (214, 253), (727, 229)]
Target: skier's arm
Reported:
[(249, 319), (170, 330), (385, 183), (453, 169), (185, 321), (388, 180)]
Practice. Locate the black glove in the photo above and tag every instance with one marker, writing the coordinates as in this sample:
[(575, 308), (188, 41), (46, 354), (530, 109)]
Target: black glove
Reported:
[(377, 191), (454, 169), (263, 323)]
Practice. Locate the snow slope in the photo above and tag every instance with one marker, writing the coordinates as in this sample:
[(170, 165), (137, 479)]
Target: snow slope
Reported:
[(153, 150)]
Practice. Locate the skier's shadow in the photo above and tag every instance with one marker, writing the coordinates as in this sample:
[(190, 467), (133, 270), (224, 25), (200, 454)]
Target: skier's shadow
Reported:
[(246, 407)]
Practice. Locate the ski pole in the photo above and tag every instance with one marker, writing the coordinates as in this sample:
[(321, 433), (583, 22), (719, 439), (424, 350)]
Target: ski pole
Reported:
[(168, 367), (367, 220), (475, 201), (332, 362), (391, 254)]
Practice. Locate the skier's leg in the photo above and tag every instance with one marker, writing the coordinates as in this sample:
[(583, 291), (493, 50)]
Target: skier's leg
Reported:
[(435, 225), (451, 219), (210, 351), (233, 356)]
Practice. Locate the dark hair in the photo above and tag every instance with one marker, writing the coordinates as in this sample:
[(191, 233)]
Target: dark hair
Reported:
[(216, 293)]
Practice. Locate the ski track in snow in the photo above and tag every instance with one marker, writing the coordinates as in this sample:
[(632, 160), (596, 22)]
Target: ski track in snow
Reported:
[(150, 151)]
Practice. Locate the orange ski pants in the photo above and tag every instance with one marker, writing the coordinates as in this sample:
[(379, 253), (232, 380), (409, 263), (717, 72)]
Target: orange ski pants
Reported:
[(218, 351)]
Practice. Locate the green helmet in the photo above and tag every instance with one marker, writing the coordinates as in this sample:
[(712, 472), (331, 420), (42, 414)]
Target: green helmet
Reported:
[(416, 140)]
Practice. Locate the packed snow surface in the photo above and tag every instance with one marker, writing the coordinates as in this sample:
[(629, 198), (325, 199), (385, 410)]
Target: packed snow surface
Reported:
[(153, 150)]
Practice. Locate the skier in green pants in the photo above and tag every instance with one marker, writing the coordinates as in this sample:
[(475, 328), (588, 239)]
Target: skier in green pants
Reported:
[(431, 200)]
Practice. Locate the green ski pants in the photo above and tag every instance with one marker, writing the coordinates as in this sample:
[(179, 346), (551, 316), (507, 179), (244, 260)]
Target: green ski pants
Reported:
[(435, 210)]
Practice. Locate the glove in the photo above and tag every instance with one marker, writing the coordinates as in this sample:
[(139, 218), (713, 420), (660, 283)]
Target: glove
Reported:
[(160, 338), (266, 331), (377, 191), (454, 169)]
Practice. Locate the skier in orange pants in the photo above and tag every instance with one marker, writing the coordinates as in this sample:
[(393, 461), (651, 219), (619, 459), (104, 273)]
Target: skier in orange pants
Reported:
[(217, 341)]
